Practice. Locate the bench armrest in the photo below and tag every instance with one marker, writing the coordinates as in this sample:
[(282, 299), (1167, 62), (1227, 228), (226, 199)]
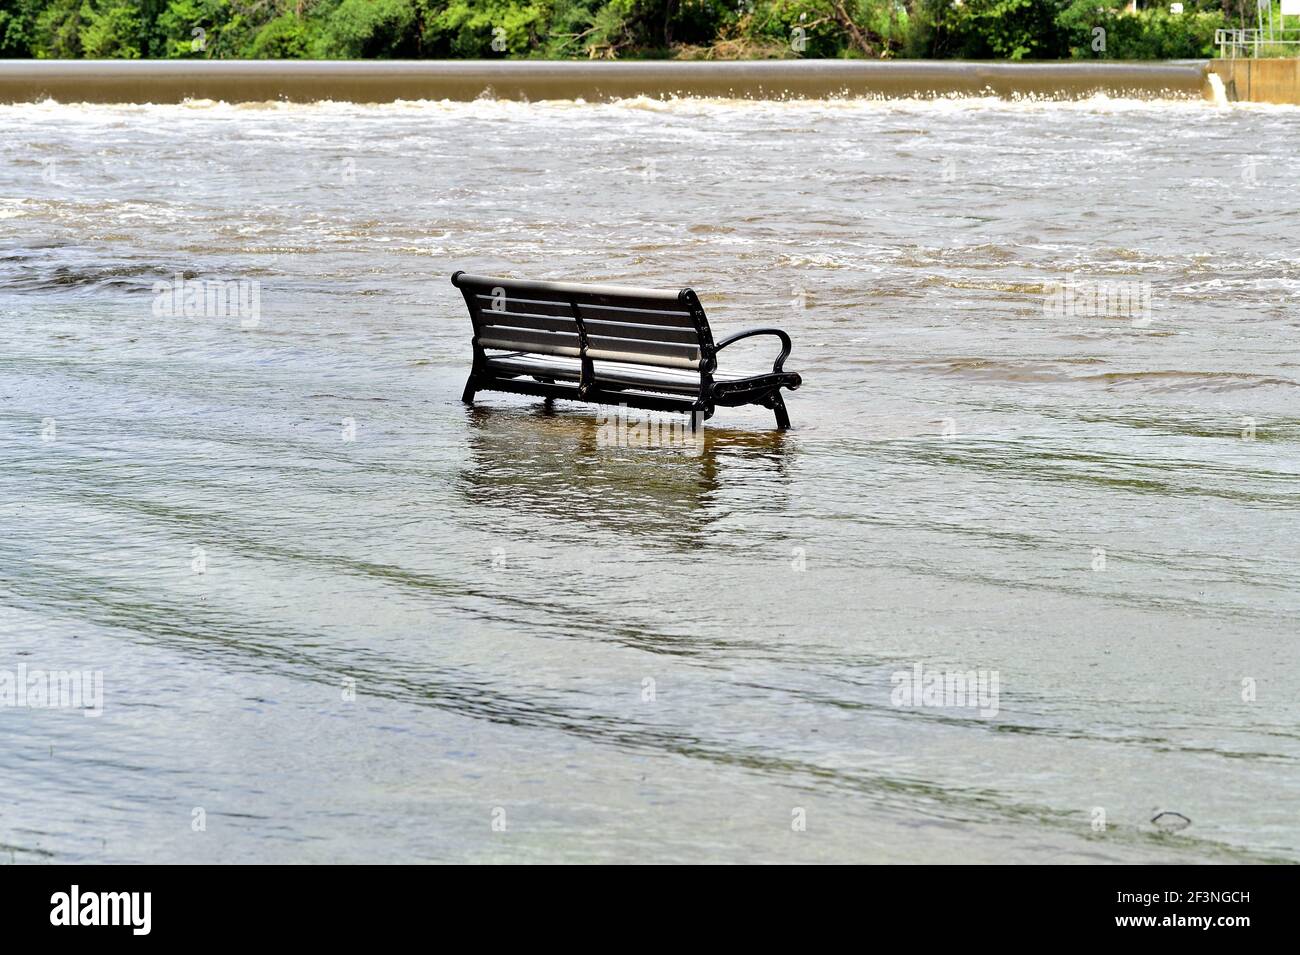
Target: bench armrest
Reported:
[(786, 344)]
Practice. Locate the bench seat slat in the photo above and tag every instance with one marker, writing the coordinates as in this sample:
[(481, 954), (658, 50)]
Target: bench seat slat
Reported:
[(561, 369), (664, 380)]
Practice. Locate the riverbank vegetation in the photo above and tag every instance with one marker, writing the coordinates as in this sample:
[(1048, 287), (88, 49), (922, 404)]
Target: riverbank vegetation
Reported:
[(557, 29)]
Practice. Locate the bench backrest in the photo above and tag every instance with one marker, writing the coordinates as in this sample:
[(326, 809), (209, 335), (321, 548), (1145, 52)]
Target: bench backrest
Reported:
[(666, 329)]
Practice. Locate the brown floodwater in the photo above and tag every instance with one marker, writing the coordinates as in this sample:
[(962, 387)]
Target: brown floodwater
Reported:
[(339, 616)]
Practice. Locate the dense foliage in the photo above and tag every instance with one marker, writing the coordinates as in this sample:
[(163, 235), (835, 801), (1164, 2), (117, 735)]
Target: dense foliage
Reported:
[(1004, 29)]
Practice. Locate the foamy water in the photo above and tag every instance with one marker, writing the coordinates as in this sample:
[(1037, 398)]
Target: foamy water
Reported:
[(339, 616)]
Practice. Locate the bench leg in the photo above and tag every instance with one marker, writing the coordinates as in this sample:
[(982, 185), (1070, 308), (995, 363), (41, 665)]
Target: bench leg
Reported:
[(467, 395), (778, 405)]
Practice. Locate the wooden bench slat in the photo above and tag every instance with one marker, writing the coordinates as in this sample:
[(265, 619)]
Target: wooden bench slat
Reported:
[(490, 306), (649, 333), (523, 339), (545, 365), (610, 374), (635, 315), (552, 323), (563, 291), (613, 335), (652, 354), (487, 305), (662, 349), (650, 379), (672, 310), (603, 330)]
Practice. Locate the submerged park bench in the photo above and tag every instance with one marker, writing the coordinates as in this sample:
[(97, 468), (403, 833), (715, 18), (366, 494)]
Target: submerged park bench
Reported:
[(609, 344)]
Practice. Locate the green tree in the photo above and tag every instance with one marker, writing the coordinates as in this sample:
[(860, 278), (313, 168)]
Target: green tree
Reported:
[(974, 29), (197, 28), (58, 29), (469, 28), (18, 26), (989, 29), (286, 37), (371, 28), (112, 30), (1148, 34)]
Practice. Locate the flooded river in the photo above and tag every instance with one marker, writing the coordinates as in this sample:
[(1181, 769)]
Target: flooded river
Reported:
[(1048, 439)]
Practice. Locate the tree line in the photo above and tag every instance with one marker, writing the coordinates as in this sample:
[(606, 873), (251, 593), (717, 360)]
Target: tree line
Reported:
[(609, 29)]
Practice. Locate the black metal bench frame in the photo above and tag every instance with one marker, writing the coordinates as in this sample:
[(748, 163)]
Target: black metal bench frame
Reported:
[(713, 392)]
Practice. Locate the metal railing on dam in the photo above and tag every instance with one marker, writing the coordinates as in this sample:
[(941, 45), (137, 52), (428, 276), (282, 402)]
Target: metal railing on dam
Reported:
[(171, 81)]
